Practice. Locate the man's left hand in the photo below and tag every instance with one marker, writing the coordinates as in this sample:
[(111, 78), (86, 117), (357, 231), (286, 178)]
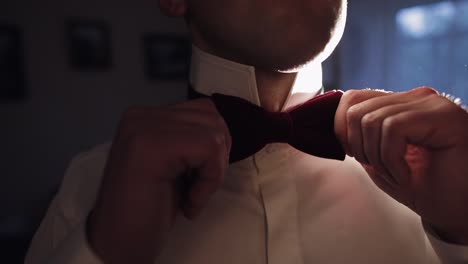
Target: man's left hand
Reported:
[(414, 146)]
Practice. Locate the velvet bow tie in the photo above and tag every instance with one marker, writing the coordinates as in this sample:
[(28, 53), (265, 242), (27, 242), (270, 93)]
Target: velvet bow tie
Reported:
[(308, 127)]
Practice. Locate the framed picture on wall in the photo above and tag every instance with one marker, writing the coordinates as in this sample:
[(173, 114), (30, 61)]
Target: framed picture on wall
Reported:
[(89, 44), (166, 57), (12, 80)]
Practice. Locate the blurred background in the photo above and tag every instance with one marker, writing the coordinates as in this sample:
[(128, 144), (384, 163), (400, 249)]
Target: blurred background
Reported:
[(69, 68)]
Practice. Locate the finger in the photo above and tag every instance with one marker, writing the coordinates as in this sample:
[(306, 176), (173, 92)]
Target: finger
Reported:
[(371, 131), (195, 112), (423, 124), (357, 123), (350, 98), (208, 121), (138, 116), (208, 115), (210, 177), (364, 105), (394, 143)]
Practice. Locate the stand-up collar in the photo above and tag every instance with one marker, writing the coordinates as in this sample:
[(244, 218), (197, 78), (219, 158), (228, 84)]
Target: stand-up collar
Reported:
[(210, 74)]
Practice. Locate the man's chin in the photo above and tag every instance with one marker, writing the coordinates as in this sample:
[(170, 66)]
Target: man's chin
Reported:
[(294, 68), (299, 64)]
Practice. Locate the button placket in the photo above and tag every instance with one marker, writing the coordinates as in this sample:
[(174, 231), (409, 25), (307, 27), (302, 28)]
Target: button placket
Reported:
[(279, 198)]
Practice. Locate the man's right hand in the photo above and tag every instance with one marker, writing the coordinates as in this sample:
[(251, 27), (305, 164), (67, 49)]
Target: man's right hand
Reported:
[(154, 151)]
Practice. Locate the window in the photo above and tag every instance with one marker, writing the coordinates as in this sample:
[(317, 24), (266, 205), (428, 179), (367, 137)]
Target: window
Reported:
[(432, 46), (402, 44)]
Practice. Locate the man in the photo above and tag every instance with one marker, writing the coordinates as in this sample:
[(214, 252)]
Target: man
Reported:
[(279, 205)]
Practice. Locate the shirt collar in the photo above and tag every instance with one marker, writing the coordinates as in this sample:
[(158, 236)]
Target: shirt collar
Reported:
[(210, 74)]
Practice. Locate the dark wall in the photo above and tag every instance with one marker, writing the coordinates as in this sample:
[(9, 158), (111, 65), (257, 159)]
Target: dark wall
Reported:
[(67, 111)]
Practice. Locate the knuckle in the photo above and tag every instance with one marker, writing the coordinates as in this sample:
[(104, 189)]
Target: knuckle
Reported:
[(369, 121), (221, 145), (353, 113), (219, 122), (391, 124), (218, 139), (213, 140), (425, 90), (351, 96)]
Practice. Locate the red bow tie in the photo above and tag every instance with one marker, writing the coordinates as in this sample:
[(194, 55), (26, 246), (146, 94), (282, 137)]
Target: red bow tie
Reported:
[(308, 127)]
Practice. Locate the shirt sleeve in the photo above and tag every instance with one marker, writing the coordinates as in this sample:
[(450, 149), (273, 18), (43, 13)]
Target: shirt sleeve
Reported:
[(55, 242), (75, 250), (448, 253), (61, 237)]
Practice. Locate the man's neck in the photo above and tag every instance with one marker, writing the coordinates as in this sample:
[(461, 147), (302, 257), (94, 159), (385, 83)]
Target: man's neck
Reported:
[(274, 88)]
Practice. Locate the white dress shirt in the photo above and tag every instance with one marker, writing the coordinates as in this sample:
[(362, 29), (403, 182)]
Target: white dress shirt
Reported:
[(279, 206)]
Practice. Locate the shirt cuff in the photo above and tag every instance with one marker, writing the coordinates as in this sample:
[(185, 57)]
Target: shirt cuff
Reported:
[(447, 252), (75, 249)]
